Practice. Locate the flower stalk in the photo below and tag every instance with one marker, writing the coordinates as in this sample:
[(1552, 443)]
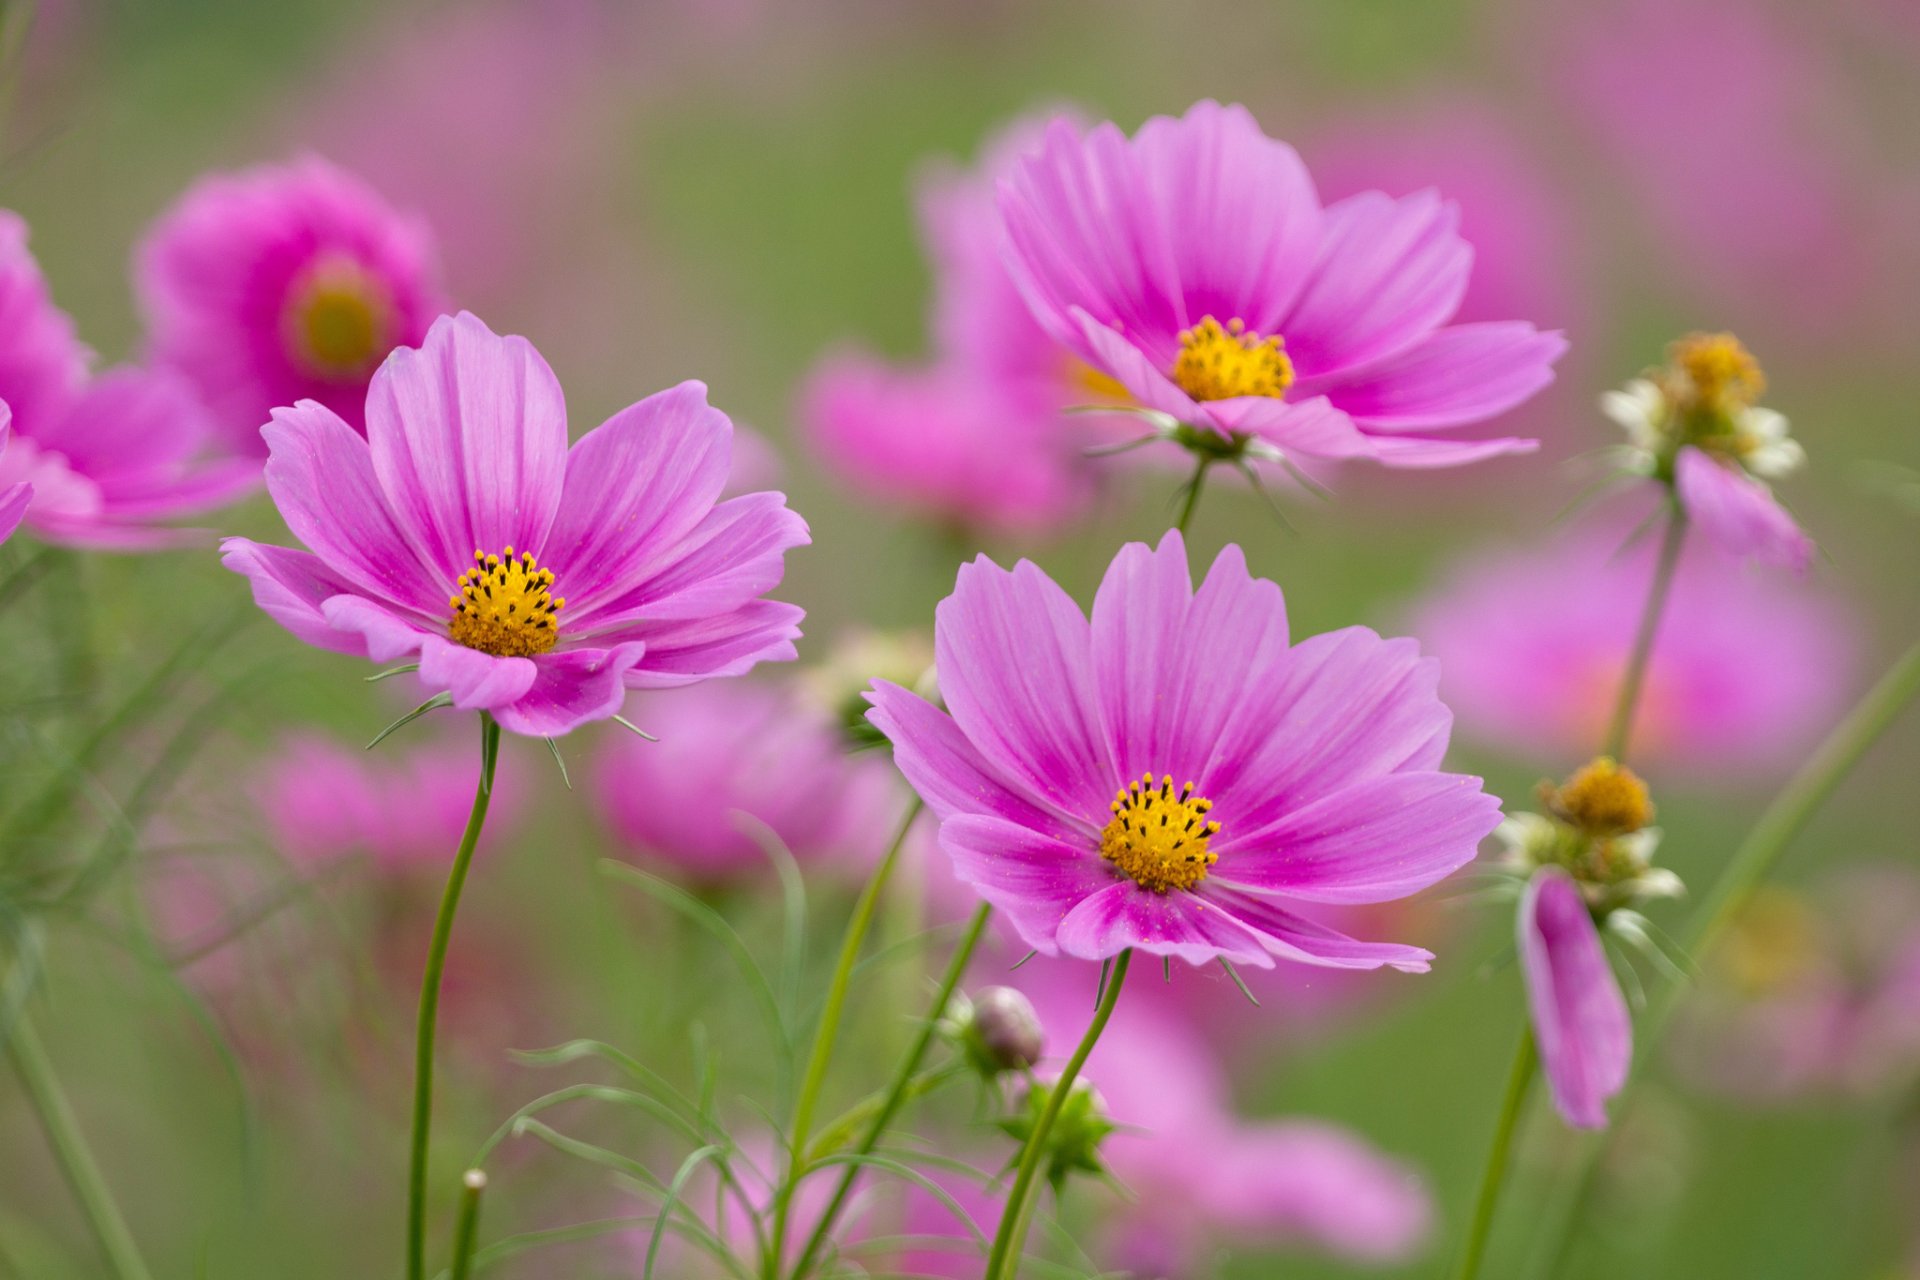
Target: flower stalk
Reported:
[(430, 1002), (1003, 1261), (1672, 541), (1526, 1061)]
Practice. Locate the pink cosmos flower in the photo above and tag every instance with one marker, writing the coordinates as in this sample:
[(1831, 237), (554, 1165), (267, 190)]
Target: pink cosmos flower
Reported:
[(1747, 670), (1580, 1021), (325, 802), (106, 456), (977, 435), (1195, 265), (527, 580), (281, 284), (733, 759), (1174, 776)]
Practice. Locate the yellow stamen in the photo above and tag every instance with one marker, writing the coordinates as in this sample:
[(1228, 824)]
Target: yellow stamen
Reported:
[(1714, 373), (504, 607), (339, 321), (1602, 798), (1218, 364), (1159, 836)]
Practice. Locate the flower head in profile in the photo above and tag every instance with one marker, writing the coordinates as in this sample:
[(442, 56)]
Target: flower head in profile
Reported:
[(1174, 775), (1194, 265), (1584, 866), (526, 579), (976, 435), (1748, 672), (108, 457), (280, 284), (1697, 425), (746, 761)]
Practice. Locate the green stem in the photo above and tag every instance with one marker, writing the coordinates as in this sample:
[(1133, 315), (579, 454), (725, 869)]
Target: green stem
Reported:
[(1008, 1241), (1756, 857), (42, 1084), (826, 1033), (902, 1087), (1525, 1061), (430, 1002), (1641, 654), (467, 1230), (1193, 487)]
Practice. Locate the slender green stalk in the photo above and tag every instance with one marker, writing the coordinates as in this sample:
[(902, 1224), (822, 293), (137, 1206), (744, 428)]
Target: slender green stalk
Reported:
[(1756, 857), (430, 1002), (824, 1036), (1635, 676), (1525, 1061), (1003, 1261), (467, 1230), (42, 1084), (900, 1091), (1193, 487)]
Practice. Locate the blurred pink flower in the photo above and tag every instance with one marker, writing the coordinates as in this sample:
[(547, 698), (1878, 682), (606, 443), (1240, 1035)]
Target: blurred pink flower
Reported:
[(280, 284), (977, 436), (405, 809), (733, 758), (1812, 994), (107, 456), (1203, 1175), (1741, 144), (1194, 265), (1746, 671), (13, 497), (1580, 1022), (1290, 773)]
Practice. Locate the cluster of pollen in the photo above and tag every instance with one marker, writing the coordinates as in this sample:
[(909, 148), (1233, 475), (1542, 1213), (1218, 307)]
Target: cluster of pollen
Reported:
[(339, 321), (1218, 363), (1713, 373), (1603, 798), (504, 607), (1159, 838)]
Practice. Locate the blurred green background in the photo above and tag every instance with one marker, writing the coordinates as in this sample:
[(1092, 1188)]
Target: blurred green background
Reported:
[(722, 191)]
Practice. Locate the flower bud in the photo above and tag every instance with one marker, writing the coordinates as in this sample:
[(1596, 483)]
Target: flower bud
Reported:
[(997, 1030), (1073, 1144), (1602, 798)]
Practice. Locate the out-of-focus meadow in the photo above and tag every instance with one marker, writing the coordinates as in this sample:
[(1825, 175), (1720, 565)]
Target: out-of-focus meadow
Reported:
[(725, 191)]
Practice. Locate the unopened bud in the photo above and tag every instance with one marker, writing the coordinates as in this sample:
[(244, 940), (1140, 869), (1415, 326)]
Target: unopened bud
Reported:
[(1073, 1144), (996, 1029)]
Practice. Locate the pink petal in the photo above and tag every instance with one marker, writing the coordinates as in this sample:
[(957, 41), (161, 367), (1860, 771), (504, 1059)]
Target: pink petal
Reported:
[(1390, 272), (1296, 938), (1580, 1019), (469, 441), (1035, 880), (322, 478), (1185, 925), (569, 689), (727, 644), (1415, 453), (949, 774), (42, 363), (13, 505), (1375, 841), (1012, 650), (635, 485), (1739, 513), (1453, 376), (291, 587)]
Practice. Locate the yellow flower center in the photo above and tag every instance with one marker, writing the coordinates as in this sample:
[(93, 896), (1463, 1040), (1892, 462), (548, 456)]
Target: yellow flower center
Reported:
[(339, 322), (1160, 838), (1218, 364), (504, 607), (1603, 798), (1715, 373)]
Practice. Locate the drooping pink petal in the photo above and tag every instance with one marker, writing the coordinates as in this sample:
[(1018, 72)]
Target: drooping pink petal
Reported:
[(949, 773), (1016, 672), (1385, 838), (469, 440), (1739, 513), (1453, 376), (635, 486), (1035, 880), (1187, 926), (569, 689), (321, 476), (1580, 1020), (1390, 272), (1200, 653)]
